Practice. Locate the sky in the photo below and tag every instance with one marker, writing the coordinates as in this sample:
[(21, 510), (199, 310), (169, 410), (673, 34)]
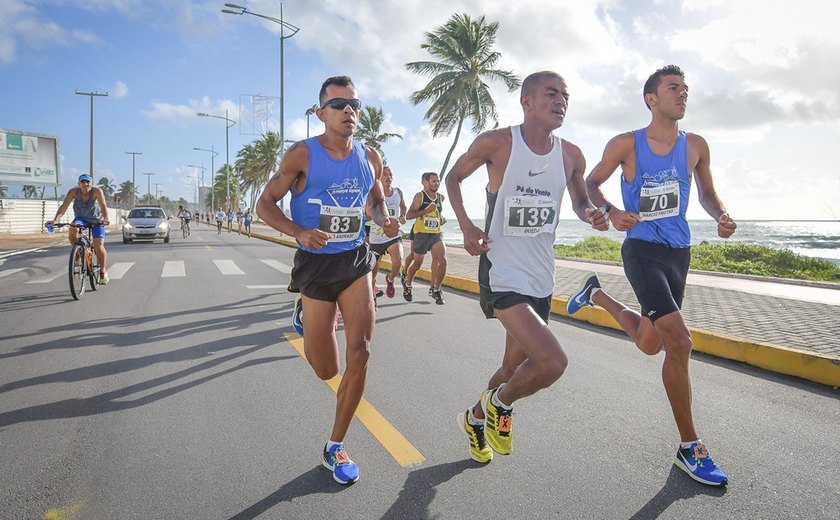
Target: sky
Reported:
[(764, 78)]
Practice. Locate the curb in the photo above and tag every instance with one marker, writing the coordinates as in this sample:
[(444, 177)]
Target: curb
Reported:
[(775, 358)]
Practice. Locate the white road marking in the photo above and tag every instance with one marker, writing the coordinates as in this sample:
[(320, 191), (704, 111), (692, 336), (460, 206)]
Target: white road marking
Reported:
[(280, 266), (173, 268), (265, 286), (118, 270), (227, 267), (9, 272)]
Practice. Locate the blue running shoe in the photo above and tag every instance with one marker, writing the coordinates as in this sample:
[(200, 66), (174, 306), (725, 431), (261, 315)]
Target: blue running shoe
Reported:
[(583, 296), (297, 316), (699, 465), (345, 471)]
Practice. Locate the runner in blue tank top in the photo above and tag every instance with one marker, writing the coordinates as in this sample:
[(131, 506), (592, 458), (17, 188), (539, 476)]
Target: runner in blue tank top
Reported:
[(657, 165), (331, 178)]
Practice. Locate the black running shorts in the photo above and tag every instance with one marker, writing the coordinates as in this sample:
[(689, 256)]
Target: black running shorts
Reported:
[(657, 274), (324, 277), (381, 249), (490, 300)]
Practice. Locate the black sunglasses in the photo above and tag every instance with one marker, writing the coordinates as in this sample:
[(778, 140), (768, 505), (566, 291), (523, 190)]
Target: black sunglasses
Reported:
[(339, 103), (85, 181)]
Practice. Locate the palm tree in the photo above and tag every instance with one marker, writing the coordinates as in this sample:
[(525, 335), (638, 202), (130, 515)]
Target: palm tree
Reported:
[(107, 186), (30, 191), (370, 129), (125, 192), (458, 88), (256, 162)]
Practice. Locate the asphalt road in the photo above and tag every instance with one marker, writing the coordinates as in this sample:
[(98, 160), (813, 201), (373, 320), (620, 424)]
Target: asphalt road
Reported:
[(174, 392)]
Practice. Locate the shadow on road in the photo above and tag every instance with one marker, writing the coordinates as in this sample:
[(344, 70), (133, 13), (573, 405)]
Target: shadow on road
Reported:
[(677, 487), (420, 489), (309, 483)]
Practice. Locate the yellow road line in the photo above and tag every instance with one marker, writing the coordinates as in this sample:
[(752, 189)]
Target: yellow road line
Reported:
[(389, 437)]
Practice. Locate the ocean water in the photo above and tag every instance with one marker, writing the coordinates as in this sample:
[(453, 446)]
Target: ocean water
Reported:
[(814, 238)]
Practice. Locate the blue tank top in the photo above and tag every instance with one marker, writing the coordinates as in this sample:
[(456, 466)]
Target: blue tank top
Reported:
[(88, 211), (333, 199), (659, 193)]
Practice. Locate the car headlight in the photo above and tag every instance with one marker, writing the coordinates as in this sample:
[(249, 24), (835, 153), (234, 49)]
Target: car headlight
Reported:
[(163, 226), (127, 226)]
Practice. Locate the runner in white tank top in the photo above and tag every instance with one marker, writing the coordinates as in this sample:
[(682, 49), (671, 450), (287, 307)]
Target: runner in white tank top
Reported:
[(528, 168), (521, 219)]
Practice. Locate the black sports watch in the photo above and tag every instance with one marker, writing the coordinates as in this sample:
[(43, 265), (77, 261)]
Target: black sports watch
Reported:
[(606, 208)]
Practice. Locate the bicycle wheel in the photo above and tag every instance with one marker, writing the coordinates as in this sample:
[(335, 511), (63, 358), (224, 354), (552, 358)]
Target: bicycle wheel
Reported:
[(184, 230), (93, 270), (77, 271)]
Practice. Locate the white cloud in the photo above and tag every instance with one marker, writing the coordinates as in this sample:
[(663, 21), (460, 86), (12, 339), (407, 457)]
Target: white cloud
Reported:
[(119, 90)]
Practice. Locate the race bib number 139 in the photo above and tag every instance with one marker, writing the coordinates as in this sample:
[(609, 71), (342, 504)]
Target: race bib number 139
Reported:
[(529, 216)]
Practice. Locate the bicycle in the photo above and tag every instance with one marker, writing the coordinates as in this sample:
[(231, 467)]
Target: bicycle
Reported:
[(84, 265), (185, 227)]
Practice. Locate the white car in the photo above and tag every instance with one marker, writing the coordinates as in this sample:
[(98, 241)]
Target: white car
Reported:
[(145, 223)]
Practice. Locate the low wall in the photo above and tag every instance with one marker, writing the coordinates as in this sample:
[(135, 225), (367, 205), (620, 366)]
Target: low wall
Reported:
[(20, 216)]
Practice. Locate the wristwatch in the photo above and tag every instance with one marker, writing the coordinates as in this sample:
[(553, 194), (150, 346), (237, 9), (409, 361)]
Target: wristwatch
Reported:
[(606, 208)]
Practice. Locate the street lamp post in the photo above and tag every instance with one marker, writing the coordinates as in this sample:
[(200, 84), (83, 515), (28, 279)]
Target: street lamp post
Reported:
[(230, 123), (238, 9), (213, 155), (309, 111), (149, 185), (157, 194), (133, 181), (91, 95)]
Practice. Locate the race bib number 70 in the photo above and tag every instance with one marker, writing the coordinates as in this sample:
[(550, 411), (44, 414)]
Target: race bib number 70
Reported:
[(660, 201), (527, 216)]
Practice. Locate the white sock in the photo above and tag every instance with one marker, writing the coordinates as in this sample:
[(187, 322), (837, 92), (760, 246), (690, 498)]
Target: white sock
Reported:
[(495, 399), (686, 445), (472, 420), (593, 291), (331, 443)]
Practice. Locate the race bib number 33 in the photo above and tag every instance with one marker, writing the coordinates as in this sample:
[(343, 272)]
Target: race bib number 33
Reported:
[(343, 224), (529, 216)]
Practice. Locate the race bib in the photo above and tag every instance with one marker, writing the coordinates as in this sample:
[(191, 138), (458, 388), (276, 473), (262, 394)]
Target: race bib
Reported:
[(431, 222), (343, 224), (528, 216), (392, 211), (660, 201)]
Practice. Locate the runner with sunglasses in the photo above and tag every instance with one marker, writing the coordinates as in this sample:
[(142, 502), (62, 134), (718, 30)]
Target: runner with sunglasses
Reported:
[(88, 208), (332, 178)]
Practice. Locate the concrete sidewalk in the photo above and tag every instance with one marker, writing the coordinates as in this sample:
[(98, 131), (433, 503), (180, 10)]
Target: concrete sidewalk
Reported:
[(788, 327)]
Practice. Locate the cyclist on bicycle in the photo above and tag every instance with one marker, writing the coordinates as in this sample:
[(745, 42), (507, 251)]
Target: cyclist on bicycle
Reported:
[(88, 208), (185, 216)]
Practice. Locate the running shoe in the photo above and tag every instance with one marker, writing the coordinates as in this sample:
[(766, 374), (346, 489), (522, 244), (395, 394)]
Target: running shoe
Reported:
[(497, 423), (344, 470), (406, 291), (696, 461), (479, 450), (583, 296), (103, 279), (431, 291), (389, 286), (377, 292), (436, 294), (297, 316)]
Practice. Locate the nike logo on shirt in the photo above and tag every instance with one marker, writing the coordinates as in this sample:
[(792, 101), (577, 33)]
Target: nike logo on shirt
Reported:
[(532, 173)]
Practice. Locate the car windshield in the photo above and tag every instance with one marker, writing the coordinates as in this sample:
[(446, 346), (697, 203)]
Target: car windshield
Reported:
[(146, 213)]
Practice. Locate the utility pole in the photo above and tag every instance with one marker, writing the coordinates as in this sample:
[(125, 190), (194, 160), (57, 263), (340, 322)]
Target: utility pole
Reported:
[(92, 95), (133, 181)]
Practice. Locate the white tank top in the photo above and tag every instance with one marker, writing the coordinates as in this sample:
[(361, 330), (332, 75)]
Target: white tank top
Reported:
[(392, 202), (521, 220)]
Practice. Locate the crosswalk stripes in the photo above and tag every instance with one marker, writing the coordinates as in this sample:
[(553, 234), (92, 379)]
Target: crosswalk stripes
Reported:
[(280, 266), (170, 269), (173, 268), (228, 267)]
